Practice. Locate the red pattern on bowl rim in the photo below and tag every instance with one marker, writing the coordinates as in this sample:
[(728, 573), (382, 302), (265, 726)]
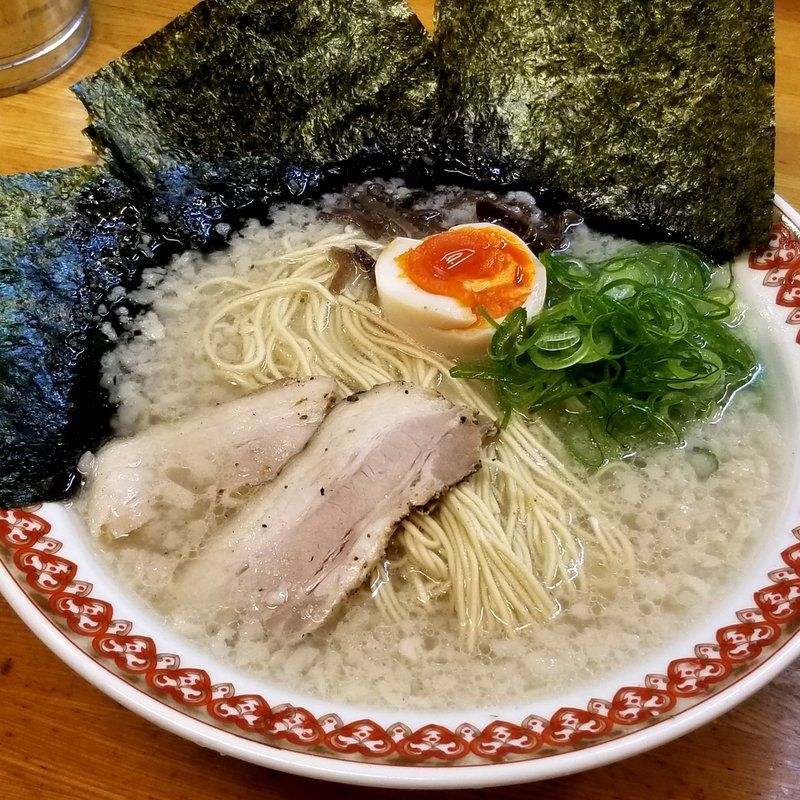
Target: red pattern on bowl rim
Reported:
[(53, 583)]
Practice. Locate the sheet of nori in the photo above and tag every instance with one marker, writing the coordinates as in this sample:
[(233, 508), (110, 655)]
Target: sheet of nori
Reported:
[(239, 101), (654, 116), (67, 238)]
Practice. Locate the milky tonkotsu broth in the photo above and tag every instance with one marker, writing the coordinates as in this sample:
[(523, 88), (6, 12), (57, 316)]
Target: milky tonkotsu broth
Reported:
[(689, 529)]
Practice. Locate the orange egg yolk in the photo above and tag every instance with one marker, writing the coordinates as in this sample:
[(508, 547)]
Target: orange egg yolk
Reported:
[(478, 267)]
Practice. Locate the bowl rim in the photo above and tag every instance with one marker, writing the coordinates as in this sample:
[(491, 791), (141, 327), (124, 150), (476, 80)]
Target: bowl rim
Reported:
[(440, 775), (382, 775)]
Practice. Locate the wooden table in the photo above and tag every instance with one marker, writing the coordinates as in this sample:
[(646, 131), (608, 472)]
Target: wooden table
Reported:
[(61, 739)]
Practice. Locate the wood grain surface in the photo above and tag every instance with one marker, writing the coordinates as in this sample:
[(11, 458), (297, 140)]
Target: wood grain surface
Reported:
[(61, 739)]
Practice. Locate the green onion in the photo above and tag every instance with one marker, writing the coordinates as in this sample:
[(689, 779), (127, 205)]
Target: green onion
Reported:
[(633, 349)]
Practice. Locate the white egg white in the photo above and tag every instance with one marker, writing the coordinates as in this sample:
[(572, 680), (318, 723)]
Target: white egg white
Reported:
[(436, 321)]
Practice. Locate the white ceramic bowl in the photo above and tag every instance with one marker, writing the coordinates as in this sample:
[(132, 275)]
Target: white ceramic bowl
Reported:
[(51, 576)]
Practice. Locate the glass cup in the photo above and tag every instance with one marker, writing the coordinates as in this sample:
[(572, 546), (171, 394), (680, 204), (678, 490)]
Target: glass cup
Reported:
[(39, 38)]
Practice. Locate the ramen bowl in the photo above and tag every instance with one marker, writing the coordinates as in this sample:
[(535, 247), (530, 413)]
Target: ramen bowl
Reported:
[(54, 578)]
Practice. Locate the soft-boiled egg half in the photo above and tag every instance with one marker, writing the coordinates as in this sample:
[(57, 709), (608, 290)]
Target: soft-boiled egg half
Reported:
[(432, 288)]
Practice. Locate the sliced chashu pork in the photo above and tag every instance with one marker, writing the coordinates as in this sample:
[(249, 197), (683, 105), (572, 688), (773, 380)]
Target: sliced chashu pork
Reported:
[(311, 537), (244, 441)]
